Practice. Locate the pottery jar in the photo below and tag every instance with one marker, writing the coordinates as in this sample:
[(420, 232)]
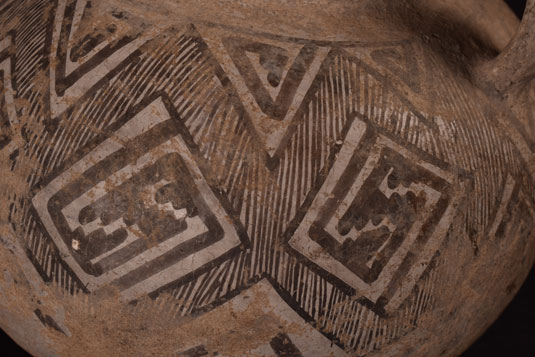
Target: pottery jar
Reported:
[(244, 177)]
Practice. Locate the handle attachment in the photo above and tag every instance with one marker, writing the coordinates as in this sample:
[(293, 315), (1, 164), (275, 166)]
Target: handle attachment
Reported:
[(515, 65)]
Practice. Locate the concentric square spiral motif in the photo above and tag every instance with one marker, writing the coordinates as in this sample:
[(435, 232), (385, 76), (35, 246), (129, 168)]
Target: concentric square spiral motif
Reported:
[(135, 211), (378, 205)]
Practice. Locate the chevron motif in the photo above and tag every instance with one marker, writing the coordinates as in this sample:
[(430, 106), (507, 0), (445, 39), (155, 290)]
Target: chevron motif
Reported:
[(81, 65)]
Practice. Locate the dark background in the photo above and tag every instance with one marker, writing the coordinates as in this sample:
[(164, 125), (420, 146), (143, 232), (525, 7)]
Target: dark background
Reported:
[(513, 334)]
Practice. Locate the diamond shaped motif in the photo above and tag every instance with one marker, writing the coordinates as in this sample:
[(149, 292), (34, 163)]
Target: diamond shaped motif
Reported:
[(379, 217), (136, 211)]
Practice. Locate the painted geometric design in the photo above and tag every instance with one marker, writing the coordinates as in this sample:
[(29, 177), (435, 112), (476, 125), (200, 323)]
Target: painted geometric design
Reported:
[(270, 76), (8, 114), (301, 340), (515, 214), (135, 212), (396, 60), (81, 64), (270, 72), (265, 120), (379, 217)]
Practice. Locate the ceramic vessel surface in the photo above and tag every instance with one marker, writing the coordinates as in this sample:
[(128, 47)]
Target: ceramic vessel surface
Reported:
[(236, 178)]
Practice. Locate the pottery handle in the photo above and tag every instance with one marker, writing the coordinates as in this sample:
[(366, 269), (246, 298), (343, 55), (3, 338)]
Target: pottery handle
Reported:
[(516, 63)]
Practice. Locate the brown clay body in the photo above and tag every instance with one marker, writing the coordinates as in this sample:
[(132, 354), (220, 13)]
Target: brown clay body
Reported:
[(263, 178)]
